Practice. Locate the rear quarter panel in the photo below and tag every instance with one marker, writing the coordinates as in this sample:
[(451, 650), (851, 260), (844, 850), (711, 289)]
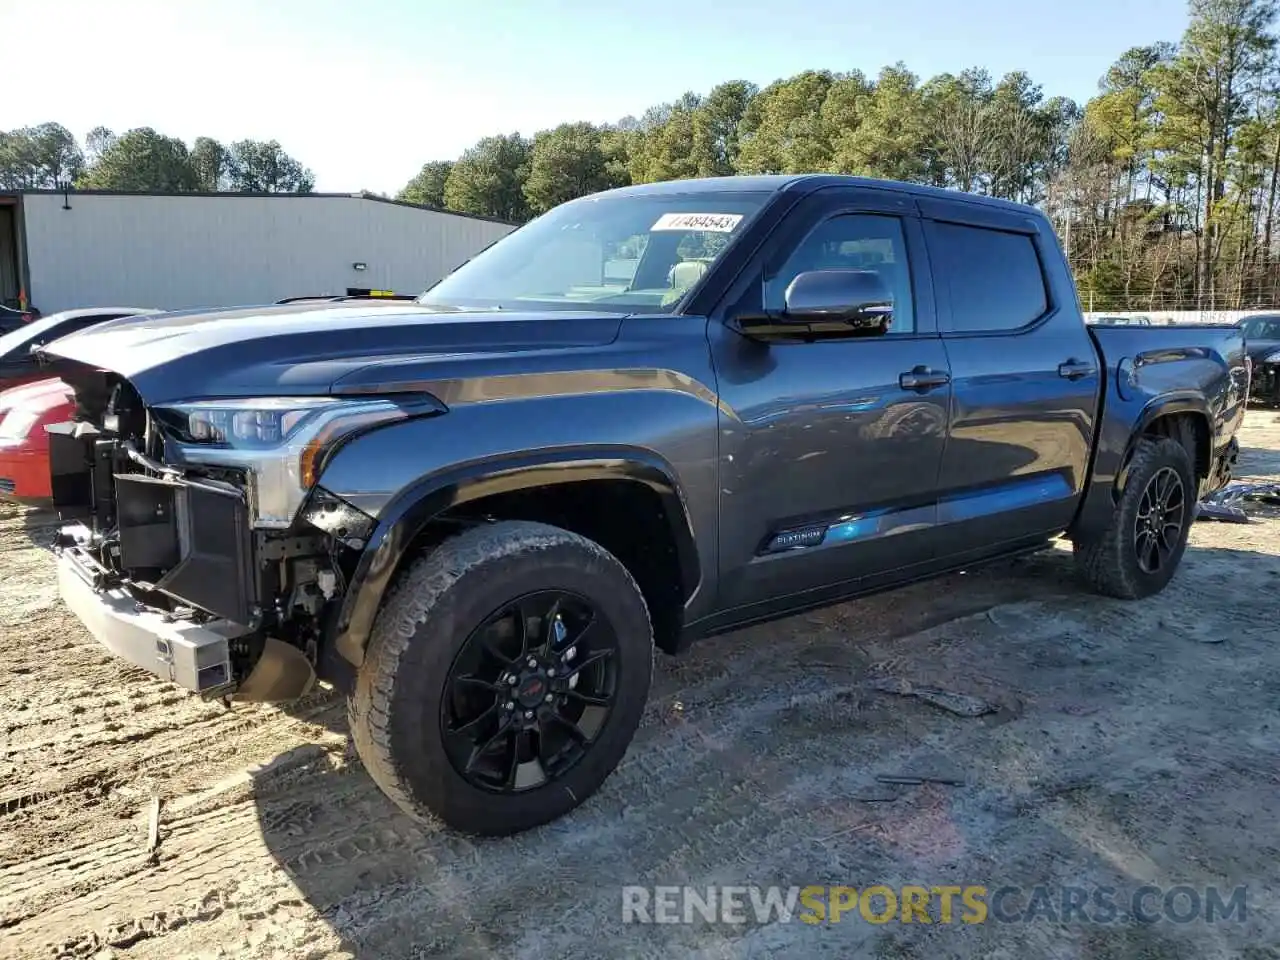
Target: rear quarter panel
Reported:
[(1154, 371)]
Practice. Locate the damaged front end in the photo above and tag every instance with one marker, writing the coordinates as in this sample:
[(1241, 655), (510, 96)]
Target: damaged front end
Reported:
[(1264, 380), (197, 543)]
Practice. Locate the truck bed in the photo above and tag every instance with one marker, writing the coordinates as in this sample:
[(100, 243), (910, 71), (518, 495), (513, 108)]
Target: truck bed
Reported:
[(1148, 361), (1194, 368)]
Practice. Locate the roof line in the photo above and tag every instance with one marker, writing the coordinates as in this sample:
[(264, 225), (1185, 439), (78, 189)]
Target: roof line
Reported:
[(256, 195)]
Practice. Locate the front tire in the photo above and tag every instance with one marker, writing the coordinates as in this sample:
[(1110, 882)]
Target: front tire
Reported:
[(504, 679), (1139, 552)]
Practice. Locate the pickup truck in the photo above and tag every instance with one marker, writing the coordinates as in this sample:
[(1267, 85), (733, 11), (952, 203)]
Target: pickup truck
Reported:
[(478, 514)]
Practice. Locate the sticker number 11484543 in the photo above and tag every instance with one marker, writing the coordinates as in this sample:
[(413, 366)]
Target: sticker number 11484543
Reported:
[(714, 222)]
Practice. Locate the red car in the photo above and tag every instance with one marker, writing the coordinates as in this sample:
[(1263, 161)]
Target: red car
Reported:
[(24, 444)]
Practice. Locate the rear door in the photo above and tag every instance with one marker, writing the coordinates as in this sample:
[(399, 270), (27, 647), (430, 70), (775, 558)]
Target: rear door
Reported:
[(1024, 372)]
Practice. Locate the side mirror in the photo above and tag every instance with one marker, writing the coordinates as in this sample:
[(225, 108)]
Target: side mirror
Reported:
[(858, 299)]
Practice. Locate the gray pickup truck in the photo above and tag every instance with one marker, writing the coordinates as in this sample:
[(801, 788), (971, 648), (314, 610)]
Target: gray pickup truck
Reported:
[(650, 415)]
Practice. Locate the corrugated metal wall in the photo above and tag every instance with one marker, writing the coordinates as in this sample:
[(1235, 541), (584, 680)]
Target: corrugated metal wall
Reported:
[(180, 252)]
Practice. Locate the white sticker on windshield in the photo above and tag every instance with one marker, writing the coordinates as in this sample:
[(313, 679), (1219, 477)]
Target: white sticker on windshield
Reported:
[(714, 222)]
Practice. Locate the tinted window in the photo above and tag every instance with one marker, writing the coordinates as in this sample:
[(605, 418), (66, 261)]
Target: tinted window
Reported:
[(1261, 328), (994, 277), (74, 326), (855, 242)]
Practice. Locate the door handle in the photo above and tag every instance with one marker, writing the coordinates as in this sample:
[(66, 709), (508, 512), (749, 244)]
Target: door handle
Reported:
[(922, 379), (1075, 369)]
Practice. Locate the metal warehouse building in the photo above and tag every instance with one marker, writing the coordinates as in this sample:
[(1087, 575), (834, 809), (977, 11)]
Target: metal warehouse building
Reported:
[(175, 251)]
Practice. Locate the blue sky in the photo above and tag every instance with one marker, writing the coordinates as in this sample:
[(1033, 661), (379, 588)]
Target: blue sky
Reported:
[(365, 93)]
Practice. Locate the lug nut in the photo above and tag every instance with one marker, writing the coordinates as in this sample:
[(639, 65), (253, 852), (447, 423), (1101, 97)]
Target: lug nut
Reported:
[(532, 662), (550, 697), (551, 671), (528, 714), (508, 705)]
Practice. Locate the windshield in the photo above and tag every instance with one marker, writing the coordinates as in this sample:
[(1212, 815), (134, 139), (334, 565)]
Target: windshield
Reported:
[(1261, 328), (625, 254)]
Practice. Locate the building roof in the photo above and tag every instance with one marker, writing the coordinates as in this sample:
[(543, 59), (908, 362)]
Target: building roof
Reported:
[(274, 196)]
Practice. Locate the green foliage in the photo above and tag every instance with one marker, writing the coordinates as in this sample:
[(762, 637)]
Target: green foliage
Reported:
[(427, 186), (717, 125), (893, 135), (142, 160), (565, 163), (96, 143), (1164, 187), (256, 166), (211, 165), (782, 129), (40, 157), (489, 178)]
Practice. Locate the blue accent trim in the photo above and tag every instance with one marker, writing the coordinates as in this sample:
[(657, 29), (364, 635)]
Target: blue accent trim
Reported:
[(855, 529), (1014, 495)]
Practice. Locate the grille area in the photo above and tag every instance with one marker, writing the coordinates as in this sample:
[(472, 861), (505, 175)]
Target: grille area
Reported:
[(1266, 382)]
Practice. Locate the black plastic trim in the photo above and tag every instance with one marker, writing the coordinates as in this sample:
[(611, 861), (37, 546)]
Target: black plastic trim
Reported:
[(407, 516)]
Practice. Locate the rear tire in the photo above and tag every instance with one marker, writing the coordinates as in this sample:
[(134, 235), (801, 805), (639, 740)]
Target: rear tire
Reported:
[(441, 658), (1138, 553)]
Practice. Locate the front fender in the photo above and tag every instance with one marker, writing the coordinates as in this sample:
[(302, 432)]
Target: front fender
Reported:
[(406, 474)]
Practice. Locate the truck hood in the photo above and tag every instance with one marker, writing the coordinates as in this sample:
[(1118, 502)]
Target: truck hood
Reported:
[(305, 349)]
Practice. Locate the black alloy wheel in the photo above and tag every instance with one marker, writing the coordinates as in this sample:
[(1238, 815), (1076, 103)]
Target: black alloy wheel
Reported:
[(504, 679), (529, 691), (1161, 514), (1137, 552)]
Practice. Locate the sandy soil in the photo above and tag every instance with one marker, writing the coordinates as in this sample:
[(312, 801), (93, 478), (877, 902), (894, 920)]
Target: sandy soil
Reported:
[(1133, 744)]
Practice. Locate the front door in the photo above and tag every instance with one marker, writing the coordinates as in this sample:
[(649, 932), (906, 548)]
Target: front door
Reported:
[(830, 450)]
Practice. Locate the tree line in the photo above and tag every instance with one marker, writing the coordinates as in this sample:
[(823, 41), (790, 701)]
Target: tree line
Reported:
[(49, 157), (1163, 186)]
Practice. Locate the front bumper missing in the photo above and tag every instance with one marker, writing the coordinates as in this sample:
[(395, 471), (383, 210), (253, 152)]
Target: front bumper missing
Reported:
[(195, 656)]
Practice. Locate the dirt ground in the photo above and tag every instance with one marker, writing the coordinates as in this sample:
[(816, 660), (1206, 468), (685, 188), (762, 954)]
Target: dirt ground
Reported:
[(1134, 744)]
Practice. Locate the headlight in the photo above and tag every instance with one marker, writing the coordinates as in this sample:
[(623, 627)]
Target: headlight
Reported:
[(17, 423), (279, 441)]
